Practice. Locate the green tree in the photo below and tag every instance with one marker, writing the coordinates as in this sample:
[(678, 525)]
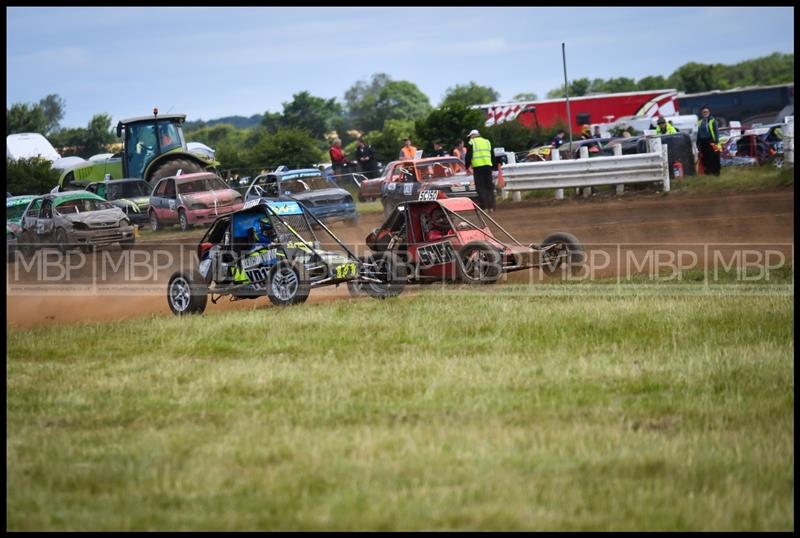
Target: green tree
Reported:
[(53, 109), (401, 100), (85, 142), (387, 141), (577, 88), (529, 96), (469, 94), (292, 147), (695, 77), (361, 99), (652, 83), (314, 114), (271, 121), (510, 135), (24, 118), (448, 124), (30, 176)]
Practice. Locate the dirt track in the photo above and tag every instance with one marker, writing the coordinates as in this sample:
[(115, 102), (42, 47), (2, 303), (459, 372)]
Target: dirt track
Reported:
[(633, 223)]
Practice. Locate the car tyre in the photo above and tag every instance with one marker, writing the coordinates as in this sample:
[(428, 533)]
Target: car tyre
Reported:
[(183, 220), (155, 224), (187, 293), (26, 245), (568, 249), (288, 284), (393, 273), (171, 167), (479, 262), (62, 243)]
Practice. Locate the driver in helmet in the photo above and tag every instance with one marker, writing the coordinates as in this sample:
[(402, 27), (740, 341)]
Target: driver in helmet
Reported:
[(440, 226), (262, 234)]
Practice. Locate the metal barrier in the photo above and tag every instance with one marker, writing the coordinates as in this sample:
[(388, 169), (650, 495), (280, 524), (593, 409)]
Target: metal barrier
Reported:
[(788, 143), (586, 173)]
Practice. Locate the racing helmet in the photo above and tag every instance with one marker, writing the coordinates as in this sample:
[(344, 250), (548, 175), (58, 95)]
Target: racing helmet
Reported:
[(439, 219), (264, 231)]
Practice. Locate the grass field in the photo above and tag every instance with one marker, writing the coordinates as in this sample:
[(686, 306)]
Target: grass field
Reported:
[(527, 408)]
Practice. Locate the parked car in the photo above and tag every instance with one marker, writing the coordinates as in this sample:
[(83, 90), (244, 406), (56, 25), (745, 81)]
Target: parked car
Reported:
[(320, 195), (404, 180), (191, 199), (132, 195), (438, 238), (67, 220), (15, 208), (269, 248)]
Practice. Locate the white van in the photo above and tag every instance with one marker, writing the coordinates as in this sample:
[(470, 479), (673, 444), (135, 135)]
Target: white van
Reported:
[(28, 146)]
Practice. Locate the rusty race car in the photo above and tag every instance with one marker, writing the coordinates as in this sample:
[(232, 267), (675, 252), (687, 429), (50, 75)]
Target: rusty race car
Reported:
[(451, 239)]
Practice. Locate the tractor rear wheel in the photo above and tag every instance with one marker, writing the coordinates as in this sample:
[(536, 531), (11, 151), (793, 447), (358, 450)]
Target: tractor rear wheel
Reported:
[(171, 167)]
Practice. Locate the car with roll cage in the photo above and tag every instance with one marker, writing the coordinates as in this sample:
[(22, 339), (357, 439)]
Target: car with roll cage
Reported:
[(321, 195), (270, 248), (437, 238), (73, 219), (403, 180), (131, 195), (190, 199), (15, 209)]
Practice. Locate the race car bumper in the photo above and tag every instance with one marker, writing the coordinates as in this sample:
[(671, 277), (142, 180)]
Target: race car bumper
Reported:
[(196, 216), (102, 237)]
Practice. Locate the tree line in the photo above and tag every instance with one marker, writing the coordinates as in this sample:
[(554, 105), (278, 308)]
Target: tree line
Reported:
[(383, 110), (694, 77)]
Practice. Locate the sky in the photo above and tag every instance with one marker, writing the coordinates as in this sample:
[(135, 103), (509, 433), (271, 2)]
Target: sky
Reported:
[(213, 62)]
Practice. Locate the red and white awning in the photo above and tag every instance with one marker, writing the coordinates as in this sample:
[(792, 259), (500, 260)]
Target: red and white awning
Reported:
[(495, 115)]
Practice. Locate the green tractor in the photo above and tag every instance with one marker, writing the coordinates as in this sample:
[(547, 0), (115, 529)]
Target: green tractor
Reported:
[(152, 147)]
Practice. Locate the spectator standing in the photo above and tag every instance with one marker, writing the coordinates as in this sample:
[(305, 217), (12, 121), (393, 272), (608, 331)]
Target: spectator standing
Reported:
[(459, 150), (338, 159), (586, 132), (558, 139), (664, 128), (438, 150), (708, 142), (479, 158), (597, 133), (408, 151), (365, 155)]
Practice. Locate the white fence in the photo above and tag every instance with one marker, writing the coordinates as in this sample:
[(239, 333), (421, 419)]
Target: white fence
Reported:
[(585, 172)]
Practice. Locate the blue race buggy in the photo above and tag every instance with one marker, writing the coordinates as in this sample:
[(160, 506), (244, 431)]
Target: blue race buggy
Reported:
[(269, 248)]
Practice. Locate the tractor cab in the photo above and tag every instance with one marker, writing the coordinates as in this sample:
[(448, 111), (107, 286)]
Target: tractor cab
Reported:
[(146, 138)]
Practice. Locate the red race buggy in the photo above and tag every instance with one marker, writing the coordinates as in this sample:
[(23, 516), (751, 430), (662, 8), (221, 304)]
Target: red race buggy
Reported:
[(437, 238)]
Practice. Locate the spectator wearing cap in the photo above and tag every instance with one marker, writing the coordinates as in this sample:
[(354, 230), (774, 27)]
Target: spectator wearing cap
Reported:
[(664, 128), (479, 159)]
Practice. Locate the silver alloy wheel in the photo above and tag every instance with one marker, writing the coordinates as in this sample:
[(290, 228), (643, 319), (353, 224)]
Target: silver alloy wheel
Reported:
[(179, 294), (285, 283)]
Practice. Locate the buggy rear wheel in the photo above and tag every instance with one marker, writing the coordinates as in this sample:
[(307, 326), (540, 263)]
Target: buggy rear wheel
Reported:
[(288, 284), (479, 262), (187, 293)]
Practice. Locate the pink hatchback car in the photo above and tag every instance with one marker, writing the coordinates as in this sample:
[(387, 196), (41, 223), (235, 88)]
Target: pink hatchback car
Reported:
[(191, 199)]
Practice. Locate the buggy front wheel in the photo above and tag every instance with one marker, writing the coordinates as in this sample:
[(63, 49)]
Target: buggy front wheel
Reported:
[(288, 284), (187, 293)]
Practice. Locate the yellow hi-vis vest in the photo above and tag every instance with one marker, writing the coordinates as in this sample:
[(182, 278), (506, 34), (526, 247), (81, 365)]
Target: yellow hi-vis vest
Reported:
[(481, 152)]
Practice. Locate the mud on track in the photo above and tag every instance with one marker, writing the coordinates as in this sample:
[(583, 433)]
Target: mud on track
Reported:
[(610, 227)]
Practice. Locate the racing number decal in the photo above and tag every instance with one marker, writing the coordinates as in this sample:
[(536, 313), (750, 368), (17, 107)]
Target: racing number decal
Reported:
[(342, 271), (258, 277), (428, 195), (408, 189), (436, 254)]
